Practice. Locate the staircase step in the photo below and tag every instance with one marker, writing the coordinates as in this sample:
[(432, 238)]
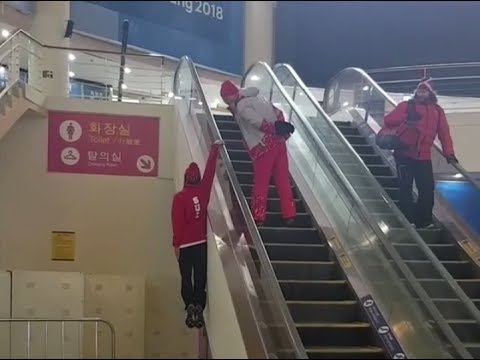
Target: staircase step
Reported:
[(345, 352), (335, 334), (223, 117), (290, 235), (466, 330), (324, 311), (298, 252), (387, 181), (348, 130), (275, 219), (343, 124), (322, 290), (306, 270), (242, 166), (438, 288), (474, 349), (273, 204)]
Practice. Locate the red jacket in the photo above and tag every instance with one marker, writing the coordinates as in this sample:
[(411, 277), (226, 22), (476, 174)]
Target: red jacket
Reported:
[(189, 208), (432, 123)]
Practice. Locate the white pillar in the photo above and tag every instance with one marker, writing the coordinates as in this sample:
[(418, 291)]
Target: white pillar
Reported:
[(258, 32), (48, 26)]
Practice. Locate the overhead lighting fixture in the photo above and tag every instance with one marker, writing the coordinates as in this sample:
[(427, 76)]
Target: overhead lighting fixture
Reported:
[(366, 88), (5, 33), (458, 176), (2, 70), (254, 77), (200, 103), (71, 57), (345, 104), (127, 70), (124, 86), (71, 74), (170, 94)]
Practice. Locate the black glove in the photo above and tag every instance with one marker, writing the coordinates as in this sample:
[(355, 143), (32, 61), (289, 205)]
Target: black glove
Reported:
[(452, 159), (283, 128)]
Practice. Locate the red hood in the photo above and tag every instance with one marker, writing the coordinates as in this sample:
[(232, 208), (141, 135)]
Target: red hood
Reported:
[(192, 175)]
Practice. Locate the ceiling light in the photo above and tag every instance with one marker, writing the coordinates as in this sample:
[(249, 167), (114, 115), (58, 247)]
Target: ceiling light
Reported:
[(200, 103), (345, 104), (127, 70), (458, 176), (254, 77), (170, 94), (366, 88), (5, 33), (2, 70), (71, 57), (71, 74), (124, 86)]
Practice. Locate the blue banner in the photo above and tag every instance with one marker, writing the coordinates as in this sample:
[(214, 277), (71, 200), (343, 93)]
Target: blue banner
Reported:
[(210, 32)]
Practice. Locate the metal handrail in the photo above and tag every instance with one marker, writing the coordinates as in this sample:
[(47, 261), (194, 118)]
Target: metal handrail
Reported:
[(426, 66), (29, 321), (392, 102), (446, 329), (245, 209)]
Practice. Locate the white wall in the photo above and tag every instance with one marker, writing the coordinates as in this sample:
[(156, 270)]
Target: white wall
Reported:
[(259, 24), (122, 223)]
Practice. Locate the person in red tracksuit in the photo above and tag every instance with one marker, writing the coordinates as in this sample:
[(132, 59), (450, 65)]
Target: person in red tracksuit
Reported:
[(189, 223), (265, 132), (414, 162)]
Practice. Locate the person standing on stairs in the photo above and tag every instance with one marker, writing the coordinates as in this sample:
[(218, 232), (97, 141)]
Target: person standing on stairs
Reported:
[(265, 132), (189, 223), (424, 120)]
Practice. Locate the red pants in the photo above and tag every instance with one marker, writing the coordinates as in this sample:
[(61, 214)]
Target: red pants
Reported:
[(273, 162)]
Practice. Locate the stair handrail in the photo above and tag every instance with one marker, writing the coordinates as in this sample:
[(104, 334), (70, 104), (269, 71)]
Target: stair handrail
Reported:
[(430, 305), (245, 209), (62, 322), (466, 175)]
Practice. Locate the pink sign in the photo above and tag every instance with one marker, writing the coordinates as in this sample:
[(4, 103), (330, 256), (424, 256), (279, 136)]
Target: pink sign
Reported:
[(102, 144)]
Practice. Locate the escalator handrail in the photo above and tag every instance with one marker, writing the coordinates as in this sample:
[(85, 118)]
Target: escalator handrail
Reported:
[(432, 308), (393, 103), (261, 251)]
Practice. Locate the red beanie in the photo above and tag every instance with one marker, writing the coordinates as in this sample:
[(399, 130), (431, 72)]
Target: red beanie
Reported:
[(192, 174), (425, 84), (228, 90)]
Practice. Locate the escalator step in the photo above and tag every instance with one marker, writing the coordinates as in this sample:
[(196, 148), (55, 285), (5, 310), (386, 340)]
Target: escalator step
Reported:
[(430, 236), (340, 124), (273, 205), (372, 159), (324, 311), (290, 235), (335, 334), (326, 290), (387, 181), (370, 193), (227, 125), (356, 139), (242, 166), (474, 349), (272, 191), (364, 149), (466, 330), (348, 130), (231, 134), (344, 352), (380, 170), (276, 220), (234, 144), (297, 252), (310, 270), (425, 270), (225, 117), (241, 155), (436, 288), (414, 252)]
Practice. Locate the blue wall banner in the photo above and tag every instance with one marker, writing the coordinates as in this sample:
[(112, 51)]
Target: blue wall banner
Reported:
[(210, 32), (381, 327)]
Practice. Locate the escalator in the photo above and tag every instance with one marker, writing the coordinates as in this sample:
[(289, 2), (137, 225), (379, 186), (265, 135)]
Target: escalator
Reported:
[(326, 312), (455, 292), (330, 286)]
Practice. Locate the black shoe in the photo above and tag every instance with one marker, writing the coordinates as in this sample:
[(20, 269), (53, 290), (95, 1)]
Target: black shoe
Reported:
[(199, 320), (190, 320)]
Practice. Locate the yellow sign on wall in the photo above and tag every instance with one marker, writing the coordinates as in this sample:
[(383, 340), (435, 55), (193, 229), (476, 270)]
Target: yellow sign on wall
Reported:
[(63, 245)]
